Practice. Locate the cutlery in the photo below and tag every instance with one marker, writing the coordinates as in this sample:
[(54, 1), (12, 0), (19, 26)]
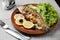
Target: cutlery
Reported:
[(12, 32), (8, 4)]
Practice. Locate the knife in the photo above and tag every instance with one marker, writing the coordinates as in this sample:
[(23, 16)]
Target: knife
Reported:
[(12, 32)]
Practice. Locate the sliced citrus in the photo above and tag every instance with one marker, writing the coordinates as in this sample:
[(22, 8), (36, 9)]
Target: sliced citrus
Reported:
[(28, 24), (19, 21), (18, 16)]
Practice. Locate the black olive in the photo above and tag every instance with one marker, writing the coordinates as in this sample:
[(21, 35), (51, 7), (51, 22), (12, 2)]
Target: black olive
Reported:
[(34, 27), (17, 11), (21, 20)]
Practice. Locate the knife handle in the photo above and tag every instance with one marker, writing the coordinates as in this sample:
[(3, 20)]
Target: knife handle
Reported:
[(16, 35)]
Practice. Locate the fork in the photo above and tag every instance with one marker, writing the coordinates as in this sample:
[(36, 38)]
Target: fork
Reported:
[(12, 32)]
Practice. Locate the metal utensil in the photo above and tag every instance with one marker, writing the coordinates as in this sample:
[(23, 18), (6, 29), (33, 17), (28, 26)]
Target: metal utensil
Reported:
[(8, 4), (12, 32)]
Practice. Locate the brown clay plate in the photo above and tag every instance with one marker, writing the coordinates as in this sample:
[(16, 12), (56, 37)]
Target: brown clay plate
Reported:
[(28, 31)]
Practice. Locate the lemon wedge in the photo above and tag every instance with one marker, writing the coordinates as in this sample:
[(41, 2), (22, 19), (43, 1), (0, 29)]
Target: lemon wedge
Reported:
[(28, 24), (18, 16)]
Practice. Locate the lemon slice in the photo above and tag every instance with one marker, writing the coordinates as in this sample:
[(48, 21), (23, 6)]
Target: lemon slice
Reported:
[(19, 21), (18, 16), (28, 24)]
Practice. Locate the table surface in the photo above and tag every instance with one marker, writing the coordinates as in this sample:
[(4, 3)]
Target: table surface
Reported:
[(5, 15)]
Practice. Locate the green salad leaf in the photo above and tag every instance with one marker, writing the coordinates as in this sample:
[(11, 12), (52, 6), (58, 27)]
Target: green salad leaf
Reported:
[(47, 12)]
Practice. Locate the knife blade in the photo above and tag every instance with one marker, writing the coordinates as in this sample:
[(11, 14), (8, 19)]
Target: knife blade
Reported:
[(12, 32)]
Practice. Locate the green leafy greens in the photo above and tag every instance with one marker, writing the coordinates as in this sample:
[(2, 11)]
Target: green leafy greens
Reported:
[(47, 12)]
